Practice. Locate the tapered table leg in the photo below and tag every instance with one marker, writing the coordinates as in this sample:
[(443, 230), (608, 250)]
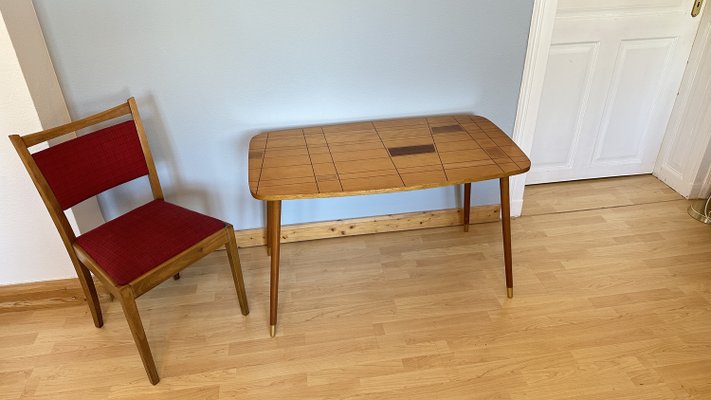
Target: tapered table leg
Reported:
[(269, 227), (274, 209), (506, 228), (467, 204)]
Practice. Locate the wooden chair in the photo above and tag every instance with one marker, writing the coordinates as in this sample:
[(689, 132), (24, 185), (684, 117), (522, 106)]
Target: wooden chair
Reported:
[(135, 252)]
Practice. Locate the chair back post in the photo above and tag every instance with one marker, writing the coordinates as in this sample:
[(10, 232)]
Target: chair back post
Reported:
[(50, 201), (23, 143), (152, 173)]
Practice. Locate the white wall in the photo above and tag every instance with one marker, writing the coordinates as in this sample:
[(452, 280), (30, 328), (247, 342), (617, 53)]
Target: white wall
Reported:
[(208, 75), (30, 246), (31, 51)]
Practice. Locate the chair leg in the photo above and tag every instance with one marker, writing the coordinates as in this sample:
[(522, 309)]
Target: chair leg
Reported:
[(92, 298), (236, 268), (176, 276), (128, 302)]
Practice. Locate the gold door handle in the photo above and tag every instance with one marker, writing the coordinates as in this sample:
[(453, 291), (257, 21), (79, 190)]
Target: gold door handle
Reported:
[(696, 9)]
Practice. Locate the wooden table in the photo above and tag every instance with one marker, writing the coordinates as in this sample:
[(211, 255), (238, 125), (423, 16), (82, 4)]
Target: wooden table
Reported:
[(380, 157)]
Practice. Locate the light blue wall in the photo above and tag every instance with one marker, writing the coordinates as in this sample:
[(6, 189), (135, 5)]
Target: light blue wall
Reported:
[(210, 74)]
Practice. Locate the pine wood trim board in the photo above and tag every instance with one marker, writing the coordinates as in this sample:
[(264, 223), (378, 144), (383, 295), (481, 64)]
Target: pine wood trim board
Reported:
[(46, 294), (368, 225), (68, 292)]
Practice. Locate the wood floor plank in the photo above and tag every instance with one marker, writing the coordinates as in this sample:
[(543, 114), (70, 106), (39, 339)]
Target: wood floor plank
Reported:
[(610, 303)]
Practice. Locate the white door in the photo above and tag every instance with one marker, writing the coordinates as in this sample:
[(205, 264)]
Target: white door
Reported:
[(613, 72)]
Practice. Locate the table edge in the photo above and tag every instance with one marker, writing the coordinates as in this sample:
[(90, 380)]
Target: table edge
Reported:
[(378, 191)]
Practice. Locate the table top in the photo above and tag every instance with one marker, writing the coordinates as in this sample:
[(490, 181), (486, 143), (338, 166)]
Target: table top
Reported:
[(380, 156)]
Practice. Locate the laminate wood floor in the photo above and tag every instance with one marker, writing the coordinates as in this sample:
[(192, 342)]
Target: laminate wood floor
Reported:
[(596, 193), (610, 303)]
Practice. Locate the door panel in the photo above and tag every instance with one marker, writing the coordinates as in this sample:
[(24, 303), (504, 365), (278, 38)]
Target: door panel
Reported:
[(614, 69), (634, 93), (568, 82)]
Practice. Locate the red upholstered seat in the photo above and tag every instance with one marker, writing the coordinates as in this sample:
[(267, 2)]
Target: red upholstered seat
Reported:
[(140, 240)]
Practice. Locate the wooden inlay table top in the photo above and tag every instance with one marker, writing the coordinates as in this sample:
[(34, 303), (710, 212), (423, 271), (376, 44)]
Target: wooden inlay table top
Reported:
[(380, 156), (377, 157)]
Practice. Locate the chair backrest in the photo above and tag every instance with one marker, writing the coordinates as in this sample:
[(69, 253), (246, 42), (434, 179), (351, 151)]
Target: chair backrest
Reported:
[(73, 171), (80, 168)]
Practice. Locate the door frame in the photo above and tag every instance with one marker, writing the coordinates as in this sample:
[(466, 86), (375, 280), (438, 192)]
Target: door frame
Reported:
[(529, 99), (534, 72), (689, 117)]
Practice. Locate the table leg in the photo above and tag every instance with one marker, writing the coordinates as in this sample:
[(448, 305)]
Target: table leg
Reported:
[(274, 209), (269, 228), (467, 204), (506, 228)]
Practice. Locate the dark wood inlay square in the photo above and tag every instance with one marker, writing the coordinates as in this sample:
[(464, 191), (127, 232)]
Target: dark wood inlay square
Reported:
[(447, 129), (409, 150)]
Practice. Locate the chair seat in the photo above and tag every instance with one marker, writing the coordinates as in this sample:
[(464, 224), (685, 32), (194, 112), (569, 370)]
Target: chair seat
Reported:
[(140, 240)]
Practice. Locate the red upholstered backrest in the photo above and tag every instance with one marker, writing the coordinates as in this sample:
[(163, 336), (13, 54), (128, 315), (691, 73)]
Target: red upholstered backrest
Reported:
[(86, 166)]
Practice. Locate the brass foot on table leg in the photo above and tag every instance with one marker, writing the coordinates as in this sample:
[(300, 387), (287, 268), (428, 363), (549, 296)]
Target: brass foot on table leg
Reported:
[(509, 292), (272, 330)]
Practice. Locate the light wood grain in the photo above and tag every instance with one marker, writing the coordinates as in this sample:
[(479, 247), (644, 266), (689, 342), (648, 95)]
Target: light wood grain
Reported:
[(369, 225), (380, 157), (53, 133), (67, 292), (596, 193), (608, 306), (42, 295), (152, 173)]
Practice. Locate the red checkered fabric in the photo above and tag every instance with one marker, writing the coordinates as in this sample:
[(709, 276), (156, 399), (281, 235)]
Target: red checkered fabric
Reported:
[(86, 166), (138, 241)]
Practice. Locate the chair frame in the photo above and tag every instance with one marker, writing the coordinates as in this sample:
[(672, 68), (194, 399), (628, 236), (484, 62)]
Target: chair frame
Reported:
[(85, 265)]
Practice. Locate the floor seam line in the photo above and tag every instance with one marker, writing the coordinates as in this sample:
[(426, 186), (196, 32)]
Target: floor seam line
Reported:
[(600, 208)]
